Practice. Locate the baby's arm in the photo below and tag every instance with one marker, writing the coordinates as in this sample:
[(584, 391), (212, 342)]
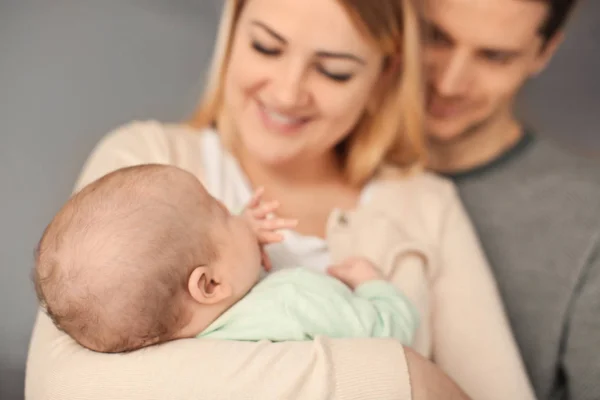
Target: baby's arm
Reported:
[(300, 304), (380, 306)]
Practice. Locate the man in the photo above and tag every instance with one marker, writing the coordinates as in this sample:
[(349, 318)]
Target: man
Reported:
[(535, 207)]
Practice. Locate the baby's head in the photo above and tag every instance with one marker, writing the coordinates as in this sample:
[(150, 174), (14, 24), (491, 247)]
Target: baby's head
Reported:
[(141, 256)]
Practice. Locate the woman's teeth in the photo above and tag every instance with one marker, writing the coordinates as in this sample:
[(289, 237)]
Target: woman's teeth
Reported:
[(282, 118)]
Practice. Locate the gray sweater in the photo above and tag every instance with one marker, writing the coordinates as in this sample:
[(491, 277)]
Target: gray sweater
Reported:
[(537, 212)]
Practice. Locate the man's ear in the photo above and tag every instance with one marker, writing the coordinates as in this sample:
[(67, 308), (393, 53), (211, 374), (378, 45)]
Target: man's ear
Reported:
[(547, 52), (206, 287)]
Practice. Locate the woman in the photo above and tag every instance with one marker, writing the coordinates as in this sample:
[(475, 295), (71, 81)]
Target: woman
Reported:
[(310, 99)]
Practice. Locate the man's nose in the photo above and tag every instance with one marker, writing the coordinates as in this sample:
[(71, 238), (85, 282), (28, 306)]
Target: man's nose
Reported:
[(450, 74)]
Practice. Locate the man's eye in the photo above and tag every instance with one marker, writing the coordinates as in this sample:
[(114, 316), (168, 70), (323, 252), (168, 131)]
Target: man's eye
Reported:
[(265, 50), (434, 36), (497, 57)]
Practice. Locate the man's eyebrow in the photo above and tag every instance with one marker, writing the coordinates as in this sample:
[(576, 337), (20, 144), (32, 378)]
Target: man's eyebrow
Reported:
[(508, 53), (434, 28), (485, 50)]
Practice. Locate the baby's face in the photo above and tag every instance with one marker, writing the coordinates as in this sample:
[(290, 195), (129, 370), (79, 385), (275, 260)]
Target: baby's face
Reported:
[(242, 252)]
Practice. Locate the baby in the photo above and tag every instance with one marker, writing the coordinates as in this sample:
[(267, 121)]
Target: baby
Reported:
[(146, 255)]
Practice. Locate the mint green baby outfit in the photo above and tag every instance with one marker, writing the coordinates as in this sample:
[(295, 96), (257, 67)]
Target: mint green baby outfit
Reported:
[(299, 304)]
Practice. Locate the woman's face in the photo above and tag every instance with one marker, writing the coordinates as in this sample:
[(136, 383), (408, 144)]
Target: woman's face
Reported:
[(299, 78)]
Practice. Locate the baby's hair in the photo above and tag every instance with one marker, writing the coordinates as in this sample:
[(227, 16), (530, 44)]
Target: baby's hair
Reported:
[(112, 267)]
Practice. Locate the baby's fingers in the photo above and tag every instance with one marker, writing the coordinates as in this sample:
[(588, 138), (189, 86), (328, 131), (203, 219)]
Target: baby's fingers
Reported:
[(267, 237), (278, 223), (256, 197), (340, 272), (261, 212)]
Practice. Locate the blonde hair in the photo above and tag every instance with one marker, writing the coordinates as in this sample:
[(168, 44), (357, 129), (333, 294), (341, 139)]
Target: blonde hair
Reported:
[(391, 128)]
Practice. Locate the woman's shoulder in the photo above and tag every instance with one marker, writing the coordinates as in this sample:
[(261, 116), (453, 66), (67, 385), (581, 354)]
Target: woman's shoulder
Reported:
[(418, 201), (146, 142), (156, 138), (424, 187)]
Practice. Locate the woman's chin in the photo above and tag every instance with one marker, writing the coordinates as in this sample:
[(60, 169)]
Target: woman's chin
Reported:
[(272, 156), (269, 149)]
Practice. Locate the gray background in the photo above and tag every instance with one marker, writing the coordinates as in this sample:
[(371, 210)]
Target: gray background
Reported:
[(70, 71)]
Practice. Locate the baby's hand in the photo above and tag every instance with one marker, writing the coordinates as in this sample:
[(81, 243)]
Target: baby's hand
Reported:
[(355, 271), (257, 213)]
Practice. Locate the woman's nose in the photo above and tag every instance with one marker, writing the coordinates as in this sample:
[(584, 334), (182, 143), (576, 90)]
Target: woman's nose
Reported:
[(289, 85)]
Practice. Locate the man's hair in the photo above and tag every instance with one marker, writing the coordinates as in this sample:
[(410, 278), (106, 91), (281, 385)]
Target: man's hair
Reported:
[(113, 265), (558, 13)]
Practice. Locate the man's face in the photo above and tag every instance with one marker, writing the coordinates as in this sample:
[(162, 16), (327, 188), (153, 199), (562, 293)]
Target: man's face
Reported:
[(478, 55)]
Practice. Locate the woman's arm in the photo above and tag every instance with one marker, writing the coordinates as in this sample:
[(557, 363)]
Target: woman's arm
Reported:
[(60, 369), (193, 369), (472, 339)]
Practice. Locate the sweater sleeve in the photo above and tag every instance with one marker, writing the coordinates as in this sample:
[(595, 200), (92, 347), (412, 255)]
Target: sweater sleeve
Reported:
[(579, 361), (59, 369), (472, 340)]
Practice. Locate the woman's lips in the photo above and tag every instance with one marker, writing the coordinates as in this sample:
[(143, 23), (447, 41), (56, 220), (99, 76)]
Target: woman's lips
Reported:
[(281, 122)]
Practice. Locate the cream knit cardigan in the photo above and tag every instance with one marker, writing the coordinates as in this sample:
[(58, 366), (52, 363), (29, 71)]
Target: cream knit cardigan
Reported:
[(415, 229)]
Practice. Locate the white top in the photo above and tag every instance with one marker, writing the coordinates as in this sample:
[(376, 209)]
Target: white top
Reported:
[(225, 180)]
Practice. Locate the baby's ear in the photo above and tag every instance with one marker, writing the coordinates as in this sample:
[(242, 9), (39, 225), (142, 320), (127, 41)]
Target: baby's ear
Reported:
[(206, 287)]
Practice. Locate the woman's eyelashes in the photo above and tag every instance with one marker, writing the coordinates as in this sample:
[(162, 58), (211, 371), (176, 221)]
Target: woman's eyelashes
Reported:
[(337, 77), (275, 51), (267, 51)]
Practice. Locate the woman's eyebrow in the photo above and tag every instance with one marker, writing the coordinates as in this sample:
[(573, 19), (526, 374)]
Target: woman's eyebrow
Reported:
[(320, 53), (269, 30), (345, 56)]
